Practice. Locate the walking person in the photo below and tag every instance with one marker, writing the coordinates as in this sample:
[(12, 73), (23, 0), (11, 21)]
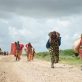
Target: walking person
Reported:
[(17, 50), (80, 48), (29, 52), (54, 43)]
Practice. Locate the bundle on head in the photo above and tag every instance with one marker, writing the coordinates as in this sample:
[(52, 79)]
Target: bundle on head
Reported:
[(53, 35), (58, 34)]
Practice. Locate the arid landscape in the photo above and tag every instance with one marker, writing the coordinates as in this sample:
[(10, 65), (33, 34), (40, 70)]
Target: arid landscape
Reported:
[(36, 71)]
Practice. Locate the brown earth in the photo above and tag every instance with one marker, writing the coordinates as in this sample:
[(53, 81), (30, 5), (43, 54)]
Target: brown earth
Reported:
[(36, 71)]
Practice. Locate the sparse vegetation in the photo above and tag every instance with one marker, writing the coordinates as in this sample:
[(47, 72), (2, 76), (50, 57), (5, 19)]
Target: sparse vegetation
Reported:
[(66, 56)]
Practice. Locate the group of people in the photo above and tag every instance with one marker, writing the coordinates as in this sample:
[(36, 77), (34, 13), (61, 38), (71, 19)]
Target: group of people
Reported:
[(52, 45), (3, 52), (17, 48)]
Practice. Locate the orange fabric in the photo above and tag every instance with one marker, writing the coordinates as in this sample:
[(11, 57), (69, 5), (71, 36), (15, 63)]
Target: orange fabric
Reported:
[(80, 54), (13, 49), (20, 51), (17, 55), (30, 57), (29, 52), (21, 48), (80, 49)]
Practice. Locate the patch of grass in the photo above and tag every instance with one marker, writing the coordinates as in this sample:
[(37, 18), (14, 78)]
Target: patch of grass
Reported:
[(66, 56), (70, 60), (43, 56)]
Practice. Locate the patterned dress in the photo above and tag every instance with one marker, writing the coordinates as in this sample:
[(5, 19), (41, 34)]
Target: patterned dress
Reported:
[(54, 48)]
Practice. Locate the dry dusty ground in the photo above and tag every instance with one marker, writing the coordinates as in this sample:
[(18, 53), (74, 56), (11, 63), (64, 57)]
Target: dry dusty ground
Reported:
[(36, 71)]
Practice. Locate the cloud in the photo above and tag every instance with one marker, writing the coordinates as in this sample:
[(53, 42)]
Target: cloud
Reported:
[(28, 29), (40, 8), (32, 20)]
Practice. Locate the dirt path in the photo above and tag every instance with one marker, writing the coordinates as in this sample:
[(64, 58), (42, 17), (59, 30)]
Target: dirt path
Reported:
[(36, 71)]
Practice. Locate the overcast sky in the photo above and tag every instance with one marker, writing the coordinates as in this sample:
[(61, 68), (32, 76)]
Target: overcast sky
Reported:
[(32, 20)]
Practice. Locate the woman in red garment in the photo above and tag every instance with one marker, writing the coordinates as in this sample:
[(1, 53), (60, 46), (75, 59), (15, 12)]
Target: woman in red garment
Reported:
[(29, 52), (80, 49)]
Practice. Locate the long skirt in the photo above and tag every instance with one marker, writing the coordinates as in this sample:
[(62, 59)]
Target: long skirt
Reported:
[(80, 53), (29, 56), (17, 54)]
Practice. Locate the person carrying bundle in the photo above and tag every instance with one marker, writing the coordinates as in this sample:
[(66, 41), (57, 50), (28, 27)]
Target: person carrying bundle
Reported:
[(80, 48), (29, 52), (53, 45), (17, 50)]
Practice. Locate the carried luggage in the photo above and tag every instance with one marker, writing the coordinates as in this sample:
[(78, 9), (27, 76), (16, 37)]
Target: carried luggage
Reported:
[(48, 43)]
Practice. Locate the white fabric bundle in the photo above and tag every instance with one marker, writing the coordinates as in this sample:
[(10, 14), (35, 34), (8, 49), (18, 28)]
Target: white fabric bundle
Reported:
[(76, 45)]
